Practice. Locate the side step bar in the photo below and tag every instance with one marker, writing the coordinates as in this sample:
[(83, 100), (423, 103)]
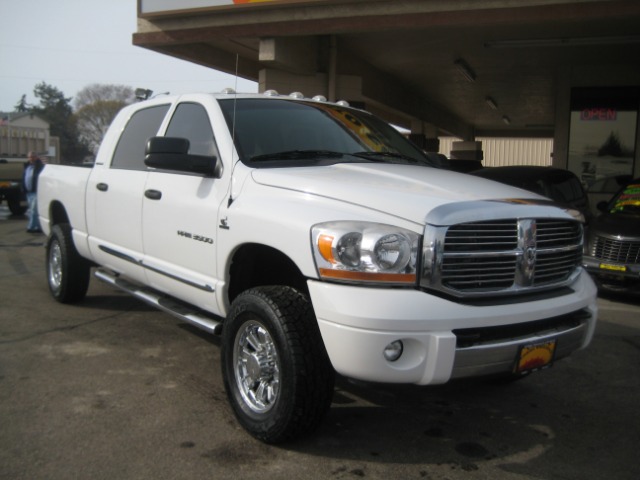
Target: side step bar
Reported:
[(163, 302)]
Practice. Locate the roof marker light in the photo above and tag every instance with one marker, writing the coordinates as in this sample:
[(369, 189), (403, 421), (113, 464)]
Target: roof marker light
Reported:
[(342, 103), (319, 98), (271, 93), (229, 91), (297, 95)]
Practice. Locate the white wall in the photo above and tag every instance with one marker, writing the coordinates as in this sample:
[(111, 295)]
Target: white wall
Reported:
[(509, 151)]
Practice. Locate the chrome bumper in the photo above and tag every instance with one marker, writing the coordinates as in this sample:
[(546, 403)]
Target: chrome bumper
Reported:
[(491, 351)]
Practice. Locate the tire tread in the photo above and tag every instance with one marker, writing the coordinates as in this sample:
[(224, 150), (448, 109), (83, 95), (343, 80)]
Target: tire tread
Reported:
[(75, 268), (314, 376)]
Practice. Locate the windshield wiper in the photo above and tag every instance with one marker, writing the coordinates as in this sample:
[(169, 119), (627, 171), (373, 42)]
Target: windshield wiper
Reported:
[(382, 156), (296, 155)]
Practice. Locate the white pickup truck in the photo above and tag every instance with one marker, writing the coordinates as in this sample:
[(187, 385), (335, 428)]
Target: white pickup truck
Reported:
[(316, 239)]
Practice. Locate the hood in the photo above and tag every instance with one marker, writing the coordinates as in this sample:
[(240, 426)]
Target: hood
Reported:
[(404, 191), (617, 225)]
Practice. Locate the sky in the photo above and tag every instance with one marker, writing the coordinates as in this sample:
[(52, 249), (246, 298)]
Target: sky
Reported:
[(71, 44)]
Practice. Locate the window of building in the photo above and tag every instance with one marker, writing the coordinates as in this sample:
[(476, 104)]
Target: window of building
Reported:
[(602, 135)]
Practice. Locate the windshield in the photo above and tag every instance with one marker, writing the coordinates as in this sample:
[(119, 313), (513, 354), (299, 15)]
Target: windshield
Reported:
[(627, 201), (282, 132)]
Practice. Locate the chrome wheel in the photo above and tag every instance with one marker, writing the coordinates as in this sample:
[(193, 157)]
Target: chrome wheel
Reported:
[(257, 367), (275, 369), (55, 266), (67, 272)]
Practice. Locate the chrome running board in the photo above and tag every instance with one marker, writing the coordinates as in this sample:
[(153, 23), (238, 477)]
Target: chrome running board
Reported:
[(181, 310)]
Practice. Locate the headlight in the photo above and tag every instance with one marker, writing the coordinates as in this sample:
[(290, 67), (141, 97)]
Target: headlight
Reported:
[(365, 252)]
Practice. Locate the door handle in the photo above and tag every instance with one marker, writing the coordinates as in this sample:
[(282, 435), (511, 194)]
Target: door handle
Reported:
[(103, 187), (153, 194)]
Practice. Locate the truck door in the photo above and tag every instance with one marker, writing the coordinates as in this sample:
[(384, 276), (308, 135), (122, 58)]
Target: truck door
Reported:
[(179, 218), (115, 193)]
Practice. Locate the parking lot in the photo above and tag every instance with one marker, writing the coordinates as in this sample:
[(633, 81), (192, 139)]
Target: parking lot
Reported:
[(111, 388)]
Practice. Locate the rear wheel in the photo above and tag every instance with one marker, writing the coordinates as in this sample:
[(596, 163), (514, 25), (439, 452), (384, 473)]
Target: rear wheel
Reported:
[(15, 206), (276, 371), (67, 272)]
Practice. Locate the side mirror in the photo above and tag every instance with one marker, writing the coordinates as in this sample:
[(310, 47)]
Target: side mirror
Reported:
[(169, 153)]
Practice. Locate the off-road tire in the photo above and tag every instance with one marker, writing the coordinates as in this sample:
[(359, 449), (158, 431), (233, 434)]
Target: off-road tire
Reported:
[(68, 273), (276, 371)]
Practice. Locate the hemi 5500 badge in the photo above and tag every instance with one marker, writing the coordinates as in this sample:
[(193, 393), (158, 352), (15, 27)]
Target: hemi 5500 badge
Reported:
[(198, 238)]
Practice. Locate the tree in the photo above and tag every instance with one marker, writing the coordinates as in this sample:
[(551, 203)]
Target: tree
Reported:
[(56, 109), (96, 106), (22, 106), (612, 146), (94, 120), (103, 92)]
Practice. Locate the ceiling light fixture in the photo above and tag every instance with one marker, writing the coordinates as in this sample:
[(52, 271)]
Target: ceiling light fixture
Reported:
[(506, 120), (563, 42), (465, 70), (492, 103)]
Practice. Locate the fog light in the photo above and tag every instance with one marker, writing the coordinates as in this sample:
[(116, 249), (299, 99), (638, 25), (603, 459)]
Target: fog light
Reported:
[(393, 351)]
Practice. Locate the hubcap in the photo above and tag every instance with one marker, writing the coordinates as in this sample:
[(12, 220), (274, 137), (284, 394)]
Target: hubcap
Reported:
[(55, 266), (257, 367)]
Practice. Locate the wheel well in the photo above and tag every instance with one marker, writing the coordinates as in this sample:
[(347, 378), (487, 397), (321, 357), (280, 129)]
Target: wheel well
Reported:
[(258, 265), (57, 214)]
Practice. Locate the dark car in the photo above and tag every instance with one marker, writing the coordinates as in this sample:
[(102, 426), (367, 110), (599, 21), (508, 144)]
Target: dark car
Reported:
[(612, 250), (603, 190), (11, 186), (559, 185)]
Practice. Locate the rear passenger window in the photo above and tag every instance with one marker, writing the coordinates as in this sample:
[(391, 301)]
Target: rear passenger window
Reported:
[(191, 121), (142, 125)]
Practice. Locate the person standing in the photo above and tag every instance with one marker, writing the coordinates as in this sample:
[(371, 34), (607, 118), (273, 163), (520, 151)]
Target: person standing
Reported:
[(32, 170)]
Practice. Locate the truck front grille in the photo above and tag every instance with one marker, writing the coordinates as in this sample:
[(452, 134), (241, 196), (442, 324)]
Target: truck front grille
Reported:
[(616, 251), (501, 256)]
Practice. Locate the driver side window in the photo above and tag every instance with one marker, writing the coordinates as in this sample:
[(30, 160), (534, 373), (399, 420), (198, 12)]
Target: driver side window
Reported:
[(190, 121)]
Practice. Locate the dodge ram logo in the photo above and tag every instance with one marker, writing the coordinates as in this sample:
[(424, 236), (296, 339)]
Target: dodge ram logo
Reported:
[(527, 264)]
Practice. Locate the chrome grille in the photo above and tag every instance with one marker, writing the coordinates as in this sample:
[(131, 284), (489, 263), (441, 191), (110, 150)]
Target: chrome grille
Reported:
[(486, 237), (616, 251), (501, 256)]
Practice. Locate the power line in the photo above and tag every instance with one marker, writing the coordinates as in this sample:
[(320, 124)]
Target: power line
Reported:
[(69, 50)]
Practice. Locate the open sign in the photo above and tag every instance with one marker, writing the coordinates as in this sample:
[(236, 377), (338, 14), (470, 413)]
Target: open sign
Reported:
[(599, 114)]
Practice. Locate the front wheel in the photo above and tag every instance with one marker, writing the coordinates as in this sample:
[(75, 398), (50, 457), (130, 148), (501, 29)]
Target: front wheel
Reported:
[(276, 371), (67, 272)]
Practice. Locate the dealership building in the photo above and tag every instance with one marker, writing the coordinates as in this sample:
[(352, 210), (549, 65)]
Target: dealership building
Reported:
[(467, 69)]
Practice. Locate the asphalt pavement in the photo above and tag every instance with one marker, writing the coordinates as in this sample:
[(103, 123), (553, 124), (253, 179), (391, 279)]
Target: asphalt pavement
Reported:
[(112, 389)]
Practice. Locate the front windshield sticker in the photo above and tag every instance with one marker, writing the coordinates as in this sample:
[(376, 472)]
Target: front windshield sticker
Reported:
[(629, 199), (356, 127)]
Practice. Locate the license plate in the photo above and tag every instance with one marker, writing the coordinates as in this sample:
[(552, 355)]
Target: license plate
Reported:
[(613, 268), (535, 356)]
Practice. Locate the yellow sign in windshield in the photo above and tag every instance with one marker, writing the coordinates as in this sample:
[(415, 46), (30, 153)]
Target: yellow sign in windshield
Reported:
[(356, 127), (629, 198)]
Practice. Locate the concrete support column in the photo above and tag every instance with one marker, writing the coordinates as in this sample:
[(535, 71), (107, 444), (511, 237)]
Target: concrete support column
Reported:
[(562, 119), (292, 54), (285, 83), (308, 65), (425, 136), (332, 81), (466, 156), (347, 87)]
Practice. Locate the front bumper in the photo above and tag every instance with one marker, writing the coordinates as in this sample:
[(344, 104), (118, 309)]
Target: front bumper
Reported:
[(611, 270), (357, 323)]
